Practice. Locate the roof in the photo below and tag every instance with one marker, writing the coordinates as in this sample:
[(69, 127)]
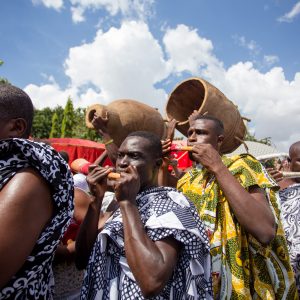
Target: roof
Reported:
[(256, 149)]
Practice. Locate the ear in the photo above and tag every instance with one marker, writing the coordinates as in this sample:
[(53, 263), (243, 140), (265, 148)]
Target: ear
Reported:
[(220, 140), (17, 128)]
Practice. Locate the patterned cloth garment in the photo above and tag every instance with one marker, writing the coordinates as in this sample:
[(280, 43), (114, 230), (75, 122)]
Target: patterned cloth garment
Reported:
[(164, 212), (242, 268), (290, 209), (35, 279)]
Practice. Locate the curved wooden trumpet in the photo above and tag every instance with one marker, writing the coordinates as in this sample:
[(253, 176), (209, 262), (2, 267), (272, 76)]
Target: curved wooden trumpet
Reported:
[(291, 174), (113, 176), (182, 148)]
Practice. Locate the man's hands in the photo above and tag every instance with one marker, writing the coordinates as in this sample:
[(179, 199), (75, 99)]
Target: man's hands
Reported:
[(208, 156), (97, 180), (127, 186), (276, 174), (100, 122)]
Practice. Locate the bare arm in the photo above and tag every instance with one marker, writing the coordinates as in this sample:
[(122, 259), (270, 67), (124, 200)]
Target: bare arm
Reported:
[(20, 199), (250, 208), (100, 125), (152, 263), (89, 228)]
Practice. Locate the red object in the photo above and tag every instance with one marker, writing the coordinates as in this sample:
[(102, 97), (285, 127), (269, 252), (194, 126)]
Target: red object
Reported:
[(90, 150), (181, 156), (79, 148), (85, 168), (71, 232)]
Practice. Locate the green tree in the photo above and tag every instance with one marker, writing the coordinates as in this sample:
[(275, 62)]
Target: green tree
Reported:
[(252, 138), (80, 129), (56, 127), (68, 120), (2, 79), (42, 122), (59, 110)]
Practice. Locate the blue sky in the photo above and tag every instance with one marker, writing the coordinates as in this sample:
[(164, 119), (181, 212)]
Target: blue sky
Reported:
[(97, 51)]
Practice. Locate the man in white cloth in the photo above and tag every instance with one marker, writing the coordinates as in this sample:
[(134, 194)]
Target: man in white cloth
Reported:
[(153, 245), (290, 207)]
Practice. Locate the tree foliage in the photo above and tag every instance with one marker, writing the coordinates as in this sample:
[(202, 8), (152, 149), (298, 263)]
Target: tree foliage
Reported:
[(48, 122), (55, 128), (2, 79), (42, 123), (68, 119), (252, 138)]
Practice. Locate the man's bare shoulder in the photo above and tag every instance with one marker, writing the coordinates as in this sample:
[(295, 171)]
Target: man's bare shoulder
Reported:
[(27, 184)]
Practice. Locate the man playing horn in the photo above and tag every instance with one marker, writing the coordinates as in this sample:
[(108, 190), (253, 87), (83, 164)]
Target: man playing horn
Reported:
[(290, 206), (236, 199), (153, 244)]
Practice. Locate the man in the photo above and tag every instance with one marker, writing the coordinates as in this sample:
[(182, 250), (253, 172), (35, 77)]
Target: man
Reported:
[(153, 244), (236, 200), (290, 206), (36, 199)]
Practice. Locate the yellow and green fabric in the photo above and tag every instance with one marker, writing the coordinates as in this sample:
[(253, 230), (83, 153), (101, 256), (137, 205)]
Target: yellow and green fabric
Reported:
[(242, 268)]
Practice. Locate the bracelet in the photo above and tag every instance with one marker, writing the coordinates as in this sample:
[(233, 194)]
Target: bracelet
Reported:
[(109, 142)]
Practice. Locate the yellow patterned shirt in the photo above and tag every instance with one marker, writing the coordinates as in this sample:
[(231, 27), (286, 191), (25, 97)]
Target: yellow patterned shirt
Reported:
[(242, 267)]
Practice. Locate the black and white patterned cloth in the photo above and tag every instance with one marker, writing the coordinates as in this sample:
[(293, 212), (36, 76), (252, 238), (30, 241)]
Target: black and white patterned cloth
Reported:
[(35, 279), (164, 212), (290, 209)]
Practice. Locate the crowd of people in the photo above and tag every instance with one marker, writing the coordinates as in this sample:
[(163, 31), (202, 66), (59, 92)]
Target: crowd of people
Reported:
[(227, 228)]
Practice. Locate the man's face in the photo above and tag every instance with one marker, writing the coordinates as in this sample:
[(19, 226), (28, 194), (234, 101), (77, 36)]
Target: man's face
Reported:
[(203, 131), (136, 151), (295, 159)]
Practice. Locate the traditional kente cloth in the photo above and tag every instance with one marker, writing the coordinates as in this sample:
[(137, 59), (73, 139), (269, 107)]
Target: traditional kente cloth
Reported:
[(290, 209), (35, 278), (165, 213), (242, 267)]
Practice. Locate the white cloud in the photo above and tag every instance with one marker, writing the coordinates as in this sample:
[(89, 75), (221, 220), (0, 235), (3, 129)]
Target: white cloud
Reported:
[(289, 17), (77, 14), (268, 99), (124, 62), (251, 45), (139, 9), (49, 95), (134, 9), (186, 50), (55, 4), (128, 62), (271, 59)]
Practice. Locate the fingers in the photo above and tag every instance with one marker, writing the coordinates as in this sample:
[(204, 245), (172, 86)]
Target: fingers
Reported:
[(166, 146), (104, 115), (97, 173)]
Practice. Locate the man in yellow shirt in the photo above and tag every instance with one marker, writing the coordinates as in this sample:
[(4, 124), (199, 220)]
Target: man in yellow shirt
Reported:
[(236, 199)]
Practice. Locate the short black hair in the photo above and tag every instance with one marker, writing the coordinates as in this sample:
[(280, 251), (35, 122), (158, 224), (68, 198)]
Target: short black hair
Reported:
[(15, 103), (219, 126), (154, 140), (294, 147)]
